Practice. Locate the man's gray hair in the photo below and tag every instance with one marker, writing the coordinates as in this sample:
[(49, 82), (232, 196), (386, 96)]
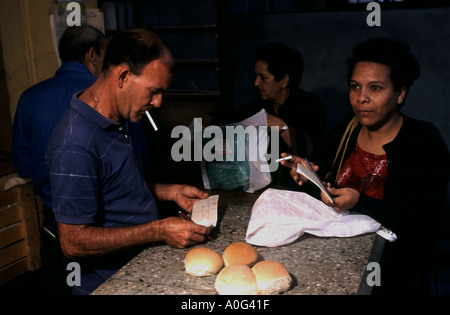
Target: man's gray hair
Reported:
[(77, 40)]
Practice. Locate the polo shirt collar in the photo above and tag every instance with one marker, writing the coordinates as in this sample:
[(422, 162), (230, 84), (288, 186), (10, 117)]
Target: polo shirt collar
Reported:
[(90, 113), (74, 66)]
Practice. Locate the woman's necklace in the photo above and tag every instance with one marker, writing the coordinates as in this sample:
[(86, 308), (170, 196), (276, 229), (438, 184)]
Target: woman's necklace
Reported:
[(276, 107)]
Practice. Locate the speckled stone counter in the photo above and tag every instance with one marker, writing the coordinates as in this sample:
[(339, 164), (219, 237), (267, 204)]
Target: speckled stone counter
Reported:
[(317, 265)]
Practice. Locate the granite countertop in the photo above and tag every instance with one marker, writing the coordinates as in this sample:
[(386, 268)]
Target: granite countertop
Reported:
[(317, 265)]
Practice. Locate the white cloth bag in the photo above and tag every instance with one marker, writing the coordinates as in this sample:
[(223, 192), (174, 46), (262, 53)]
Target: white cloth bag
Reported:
[(280, 217)]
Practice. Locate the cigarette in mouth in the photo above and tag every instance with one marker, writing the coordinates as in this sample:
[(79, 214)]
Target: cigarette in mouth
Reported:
[(151, 120)]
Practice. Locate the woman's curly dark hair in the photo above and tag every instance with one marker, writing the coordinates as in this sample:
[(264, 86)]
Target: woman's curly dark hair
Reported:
[(404, 67)]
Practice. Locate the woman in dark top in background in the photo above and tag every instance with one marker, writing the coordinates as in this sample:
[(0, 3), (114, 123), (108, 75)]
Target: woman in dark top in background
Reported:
[(389, 166), (299, 115)]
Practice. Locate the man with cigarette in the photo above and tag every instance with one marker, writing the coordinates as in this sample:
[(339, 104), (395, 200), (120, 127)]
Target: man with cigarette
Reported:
[(106, 213)]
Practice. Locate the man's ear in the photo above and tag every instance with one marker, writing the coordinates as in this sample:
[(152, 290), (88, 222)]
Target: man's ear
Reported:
[(90, 59), (285, 81), (123, 75), (91, 54)]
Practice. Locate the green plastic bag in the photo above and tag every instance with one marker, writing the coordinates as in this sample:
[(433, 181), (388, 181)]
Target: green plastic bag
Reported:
[(229, 174), (237, 167)]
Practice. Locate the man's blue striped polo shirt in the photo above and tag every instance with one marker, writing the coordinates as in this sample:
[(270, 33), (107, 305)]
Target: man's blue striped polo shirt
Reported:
[(96, 176)]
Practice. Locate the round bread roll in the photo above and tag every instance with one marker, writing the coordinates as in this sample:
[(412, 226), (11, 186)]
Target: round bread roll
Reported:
[(236, 280), (271, 277), (201, 261), (240, 253)]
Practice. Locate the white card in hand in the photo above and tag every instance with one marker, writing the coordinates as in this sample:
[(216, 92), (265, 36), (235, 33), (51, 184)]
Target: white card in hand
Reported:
[(309, 173), (205, 211)]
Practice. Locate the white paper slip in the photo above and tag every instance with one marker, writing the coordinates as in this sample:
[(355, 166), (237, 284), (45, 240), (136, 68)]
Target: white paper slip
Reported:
[(309, 173), (205, 211)]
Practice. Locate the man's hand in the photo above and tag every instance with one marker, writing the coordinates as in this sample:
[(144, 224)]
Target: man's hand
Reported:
[(184, 195), (180, 233)]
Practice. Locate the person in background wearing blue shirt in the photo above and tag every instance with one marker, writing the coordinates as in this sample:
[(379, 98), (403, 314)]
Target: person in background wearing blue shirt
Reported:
[(40, 107), (81, 50), (105, 209)]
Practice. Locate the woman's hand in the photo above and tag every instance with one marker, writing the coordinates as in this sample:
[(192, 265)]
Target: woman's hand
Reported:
[(274, 121), (292, 164), (344, 198)]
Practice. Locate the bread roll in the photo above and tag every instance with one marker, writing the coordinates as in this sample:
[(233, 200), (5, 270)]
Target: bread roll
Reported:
[(236, 280), (201, 261), (240, 253), (271, 277)]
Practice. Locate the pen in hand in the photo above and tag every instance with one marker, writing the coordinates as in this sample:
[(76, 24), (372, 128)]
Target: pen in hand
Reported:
[(189, 219)]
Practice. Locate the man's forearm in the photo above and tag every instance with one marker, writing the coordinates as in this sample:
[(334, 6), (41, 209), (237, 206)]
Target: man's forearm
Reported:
[(164, 192), (84, 240)]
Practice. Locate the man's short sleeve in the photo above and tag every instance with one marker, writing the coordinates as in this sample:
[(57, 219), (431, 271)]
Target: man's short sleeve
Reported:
[(73, 173)]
